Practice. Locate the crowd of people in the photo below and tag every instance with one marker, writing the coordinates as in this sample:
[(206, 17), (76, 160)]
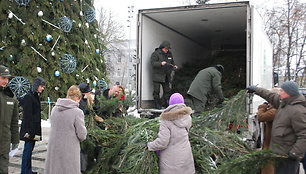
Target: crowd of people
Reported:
[(67, 123)]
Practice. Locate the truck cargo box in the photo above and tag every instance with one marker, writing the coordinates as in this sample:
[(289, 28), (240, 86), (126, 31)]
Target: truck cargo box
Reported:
[(203, 35)]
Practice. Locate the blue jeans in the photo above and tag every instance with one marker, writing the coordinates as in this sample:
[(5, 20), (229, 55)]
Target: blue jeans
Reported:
[(303, 161), (287, 166), (26, 165)]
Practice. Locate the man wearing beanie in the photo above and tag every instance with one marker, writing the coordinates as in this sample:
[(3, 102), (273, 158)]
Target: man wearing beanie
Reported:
[(30, 130), (162, 65), (206, 82), (288, 136)]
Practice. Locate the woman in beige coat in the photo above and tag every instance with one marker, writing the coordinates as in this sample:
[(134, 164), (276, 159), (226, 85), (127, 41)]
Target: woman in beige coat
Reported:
[(173, 140), (67, 131)]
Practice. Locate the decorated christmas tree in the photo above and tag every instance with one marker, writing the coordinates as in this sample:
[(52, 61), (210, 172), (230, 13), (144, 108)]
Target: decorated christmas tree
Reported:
[(54, 39)]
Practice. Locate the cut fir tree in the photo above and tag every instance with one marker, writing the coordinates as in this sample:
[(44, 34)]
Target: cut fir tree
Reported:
[(216, 149)]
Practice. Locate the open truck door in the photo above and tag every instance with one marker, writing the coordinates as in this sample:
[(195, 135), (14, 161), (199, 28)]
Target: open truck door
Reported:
[(203, 33), (259, 69)]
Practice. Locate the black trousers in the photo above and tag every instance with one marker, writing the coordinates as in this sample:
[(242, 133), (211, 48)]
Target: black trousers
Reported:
[(161, 101), (303, 161), (287, 166)]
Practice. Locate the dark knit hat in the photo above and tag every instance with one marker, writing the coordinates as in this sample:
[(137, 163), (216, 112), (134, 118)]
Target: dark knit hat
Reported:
[(165, 44), (37, 82), (84, 87), (220, 68), (176, 98), (290, 88), (4, 71)]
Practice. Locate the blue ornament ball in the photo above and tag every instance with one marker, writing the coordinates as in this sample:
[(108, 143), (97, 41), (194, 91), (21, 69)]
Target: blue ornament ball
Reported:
[(57, 73), (97, 51), (48, 38), (94, 83)]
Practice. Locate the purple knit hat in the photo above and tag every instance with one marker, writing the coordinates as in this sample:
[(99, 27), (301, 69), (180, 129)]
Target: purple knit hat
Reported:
[(176, 98)]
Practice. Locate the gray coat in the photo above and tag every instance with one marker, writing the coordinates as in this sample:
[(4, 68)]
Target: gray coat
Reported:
[(289, 125), (207, 81), (173, 141), (67, 131)]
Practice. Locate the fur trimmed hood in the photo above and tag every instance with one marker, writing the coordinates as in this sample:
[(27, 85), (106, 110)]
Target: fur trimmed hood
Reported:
[(179, 114), (38, 81)]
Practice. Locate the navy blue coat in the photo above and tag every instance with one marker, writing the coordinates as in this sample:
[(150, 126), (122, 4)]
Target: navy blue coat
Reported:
[(31, 121)]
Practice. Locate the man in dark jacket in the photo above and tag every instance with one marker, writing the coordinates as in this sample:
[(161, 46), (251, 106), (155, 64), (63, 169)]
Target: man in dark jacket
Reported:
[(206, 82), (86, 100), (288, 136), (30, 131), (8, 120), (162, 65)]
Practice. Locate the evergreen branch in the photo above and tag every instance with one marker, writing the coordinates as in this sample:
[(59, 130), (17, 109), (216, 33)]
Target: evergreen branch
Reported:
[(250, 163)]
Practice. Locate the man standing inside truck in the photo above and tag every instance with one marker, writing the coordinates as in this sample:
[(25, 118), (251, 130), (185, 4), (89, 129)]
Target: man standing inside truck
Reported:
[(162, 65), (206, 82)]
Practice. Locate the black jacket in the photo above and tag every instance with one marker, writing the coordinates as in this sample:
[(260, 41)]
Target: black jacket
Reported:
[(83, 106), (31, 121), (161, 73)]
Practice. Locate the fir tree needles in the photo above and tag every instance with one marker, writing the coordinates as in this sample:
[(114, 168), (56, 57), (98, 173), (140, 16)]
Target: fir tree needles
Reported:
[(215, 148), (250, 163)]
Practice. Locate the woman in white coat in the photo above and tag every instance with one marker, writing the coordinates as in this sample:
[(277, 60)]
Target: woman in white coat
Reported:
[(67, 131), (173, 140)]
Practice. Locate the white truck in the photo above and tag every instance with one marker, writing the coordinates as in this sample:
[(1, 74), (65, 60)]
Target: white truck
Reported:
[(197, 33)]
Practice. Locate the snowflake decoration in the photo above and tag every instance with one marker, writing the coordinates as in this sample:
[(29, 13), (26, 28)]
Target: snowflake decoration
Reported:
[(65, 24), (68, 63), (90, 15), (102, 84), (23, 2), (20, 86)]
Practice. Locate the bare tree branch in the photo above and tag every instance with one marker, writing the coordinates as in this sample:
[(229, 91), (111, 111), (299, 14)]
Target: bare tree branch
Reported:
[(285, 26)]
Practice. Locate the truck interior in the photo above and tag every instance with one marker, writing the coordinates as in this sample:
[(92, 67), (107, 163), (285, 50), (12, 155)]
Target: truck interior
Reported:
[(200, 36)]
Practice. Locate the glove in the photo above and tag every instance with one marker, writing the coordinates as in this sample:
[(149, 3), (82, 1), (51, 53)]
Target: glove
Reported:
[(15, 146), (292, 156), (251, 89), (220, 101), (157, 152), (220, 105)]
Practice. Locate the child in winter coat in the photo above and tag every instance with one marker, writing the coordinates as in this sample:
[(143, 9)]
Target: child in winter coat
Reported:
[(173, 140)]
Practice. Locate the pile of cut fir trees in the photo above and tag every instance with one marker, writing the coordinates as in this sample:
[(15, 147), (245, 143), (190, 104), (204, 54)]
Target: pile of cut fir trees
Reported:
[(216, 148)]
